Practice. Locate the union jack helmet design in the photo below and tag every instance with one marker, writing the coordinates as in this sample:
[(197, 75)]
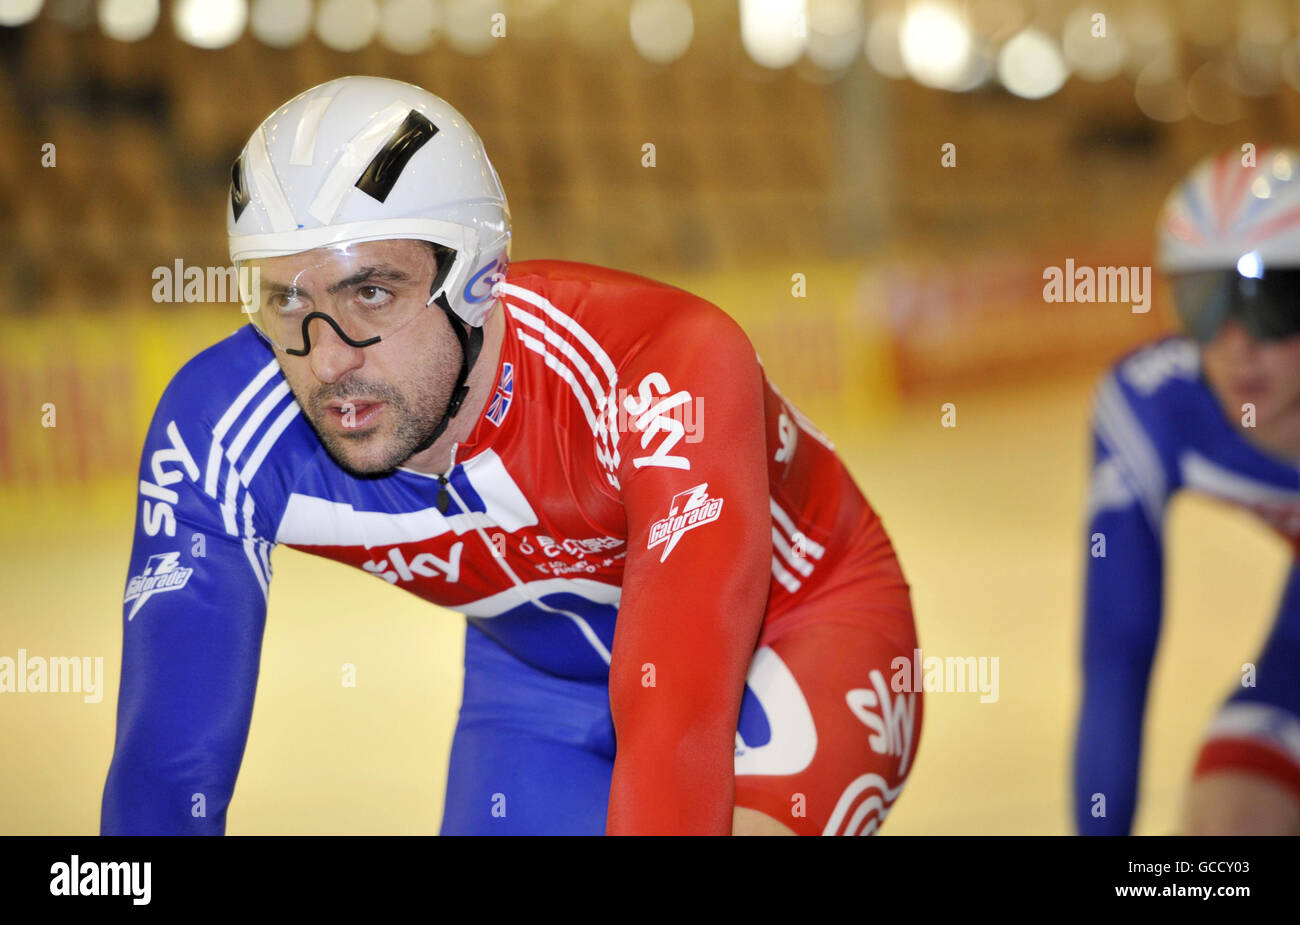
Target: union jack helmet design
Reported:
[(1232, 205), (1229, 240)]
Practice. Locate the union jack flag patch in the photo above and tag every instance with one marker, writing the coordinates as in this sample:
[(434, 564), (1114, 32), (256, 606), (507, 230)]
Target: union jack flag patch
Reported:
[(505, 390)]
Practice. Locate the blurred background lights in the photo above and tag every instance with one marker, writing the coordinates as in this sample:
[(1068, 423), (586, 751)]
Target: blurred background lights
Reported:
[(1255, 59), (774, 32), (1282, 167), (1184, 57), (1211, 95), (1148, 36), (882, 46), (1289, 63), (347, 25), (18, 12), (1092, 57), (1160, 92), (935, 43), (128, 20), (1206, 22), (995, 21), (469, 25), (280, 23), (76, 14), (407, 26), (661, 29), (1031, 66), (976, 73), (834, 33), (210, 23), (531, 9), (1262, 22), (597, 27), (1204, 58)]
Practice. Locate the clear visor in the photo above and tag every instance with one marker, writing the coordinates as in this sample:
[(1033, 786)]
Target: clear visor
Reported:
[(359, 293), (1268, 306)]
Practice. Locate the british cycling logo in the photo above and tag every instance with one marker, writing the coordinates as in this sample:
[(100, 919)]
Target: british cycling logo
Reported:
[(689, 509), (161, 573), (576, 549)]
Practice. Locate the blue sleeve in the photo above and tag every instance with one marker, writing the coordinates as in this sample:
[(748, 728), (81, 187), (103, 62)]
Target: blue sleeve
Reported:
[(192, 621), (1123, 603)]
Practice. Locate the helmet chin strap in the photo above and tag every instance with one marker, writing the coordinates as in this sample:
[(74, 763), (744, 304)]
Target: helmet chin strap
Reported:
[(471, 342)]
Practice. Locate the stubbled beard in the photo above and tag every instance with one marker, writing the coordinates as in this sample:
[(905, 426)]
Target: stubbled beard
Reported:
[(410, 433)]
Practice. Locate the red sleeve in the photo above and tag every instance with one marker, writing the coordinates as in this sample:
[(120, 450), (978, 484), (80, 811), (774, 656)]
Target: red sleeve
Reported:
[(693, 479)]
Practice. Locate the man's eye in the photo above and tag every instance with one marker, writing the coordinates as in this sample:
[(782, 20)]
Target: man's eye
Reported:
[(287, 302), (373, 296)]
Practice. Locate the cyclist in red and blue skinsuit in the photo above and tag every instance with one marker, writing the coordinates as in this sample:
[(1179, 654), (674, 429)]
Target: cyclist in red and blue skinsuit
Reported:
[(679, 604)]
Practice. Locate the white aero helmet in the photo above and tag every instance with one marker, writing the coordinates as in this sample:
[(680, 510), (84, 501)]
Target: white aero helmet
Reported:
[(366, 159), (1229, 239)]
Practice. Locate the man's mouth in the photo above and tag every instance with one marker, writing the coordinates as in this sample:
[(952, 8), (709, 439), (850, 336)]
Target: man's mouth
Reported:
[(1249, 388), (354, 415)]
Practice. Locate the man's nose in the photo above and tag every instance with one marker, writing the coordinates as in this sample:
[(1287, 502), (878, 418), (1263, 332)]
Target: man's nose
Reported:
[(331, 356), (1234, 337)]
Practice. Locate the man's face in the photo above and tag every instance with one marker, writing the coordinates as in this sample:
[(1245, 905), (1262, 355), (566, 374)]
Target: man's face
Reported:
[(1245, 370), (372, 407)]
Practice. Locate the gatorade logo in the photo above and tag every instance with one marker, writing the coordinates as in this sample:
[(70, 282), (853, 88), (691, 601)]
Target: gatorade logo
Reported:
[(161, 573), (689, 509)]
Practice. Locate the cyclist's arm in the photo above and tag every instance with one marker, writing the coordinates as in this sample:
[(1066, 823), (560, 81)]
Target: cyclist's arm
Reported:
[(1123, 601), (189, 653), (687, 625)]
